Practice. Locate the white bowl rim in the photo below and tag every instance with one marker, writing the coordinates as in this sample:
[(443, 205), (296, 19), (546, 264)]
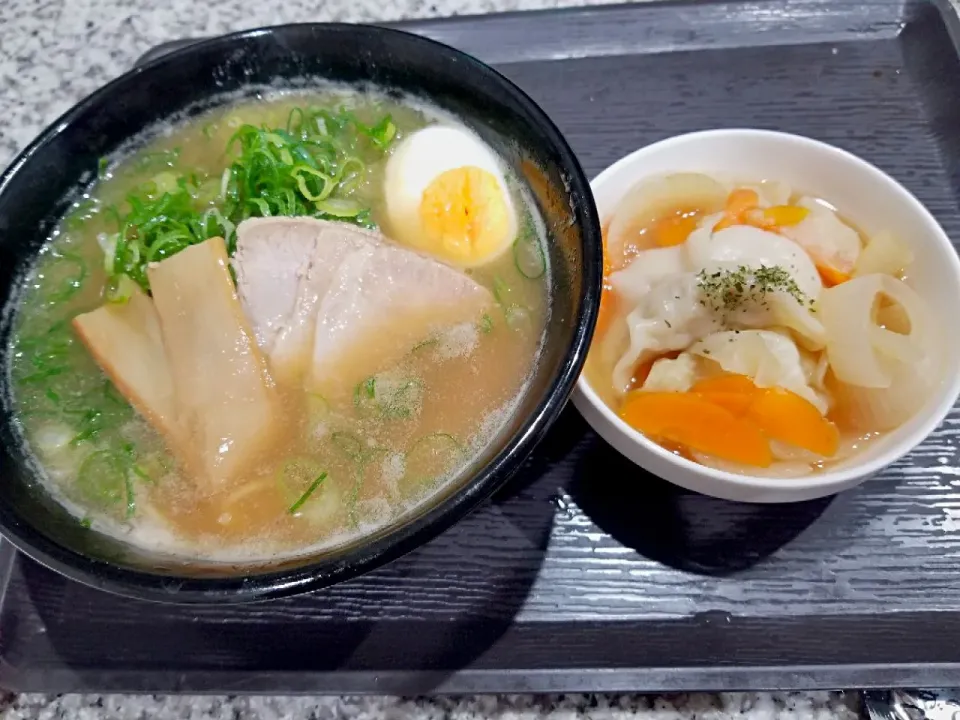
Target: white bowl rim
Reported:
[(828, 478)]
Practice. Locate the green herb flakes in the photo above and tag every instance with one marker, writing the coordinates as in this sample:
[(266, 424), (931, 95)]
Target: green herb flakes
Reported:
[(725, 291)]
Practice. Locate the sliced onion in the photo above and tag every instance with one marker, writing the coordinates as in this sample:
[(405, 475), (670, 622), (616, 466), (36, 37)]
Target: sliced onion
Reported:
[(885, 254), (861, 352), (646, 201), (791, 453), (877, 409), (772, 192), (776, 470)]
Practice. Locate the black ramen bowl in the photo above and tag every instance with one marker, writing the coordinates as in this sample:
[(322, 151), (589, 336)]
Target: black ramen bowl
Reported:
[(35, 192)]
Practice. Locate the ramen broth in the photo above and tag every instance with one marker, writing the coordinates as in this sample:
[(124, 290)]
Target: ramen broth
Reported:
[(347, 459)]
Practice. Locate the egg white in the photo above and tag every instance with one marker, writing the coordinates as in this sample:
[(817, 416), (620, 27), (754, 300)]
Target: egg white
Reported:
[(422, 157)]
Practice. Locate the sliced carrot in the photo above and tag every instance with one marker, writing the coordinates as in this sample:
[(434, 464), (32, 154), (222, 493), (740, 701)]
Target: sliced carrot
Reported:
[(789, 418), (831, 276), (743, 208), (676, 228), (737, 403), (698, 424), (726, 383), (785, 215), (758, 219), (729, 390), (741, 200)]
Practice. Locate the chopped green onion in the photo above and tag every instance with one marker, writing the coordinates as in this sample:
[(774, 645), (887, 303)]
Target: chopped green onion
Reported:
[(108, 243), (402, 402), (390, 399), (101, 480), (317, 406), (350, 445), (431, 457), (501, 291), (337, 208), (119, 288), (429, 342), (486, 323), (131, 498), (306, 495), (364, 395), (516, 315), (111, 393), (73, 282), (528, 255), (309, 168)]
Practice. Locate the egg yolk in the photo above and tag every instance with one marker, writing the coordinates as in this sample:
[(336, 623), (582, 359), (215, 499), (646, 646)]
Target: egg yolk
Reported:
[(464, 215)]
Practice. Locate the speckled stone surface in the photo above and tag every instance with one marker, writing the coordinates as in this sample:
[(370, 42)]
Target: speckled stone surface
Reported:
[(742, 706), (53, 53)]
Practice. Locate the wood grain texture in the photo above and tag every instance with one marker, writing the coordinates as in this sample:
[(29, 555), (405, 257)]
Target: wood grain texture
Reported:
[(586, 573)]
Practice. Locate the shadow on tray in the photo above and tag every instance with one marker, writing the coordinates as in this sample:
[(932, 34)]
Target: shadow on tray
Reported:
[(676, 527), (433, 611)]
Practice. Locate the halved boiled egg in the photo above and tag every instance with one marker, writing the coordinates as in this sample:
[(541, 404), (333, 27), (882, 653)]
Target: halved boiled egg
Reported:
[(446, 195)]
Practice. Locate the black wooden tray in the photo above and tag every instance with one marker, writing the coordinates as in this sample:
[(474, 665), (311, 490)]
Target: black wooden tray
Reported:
[(585, 573)]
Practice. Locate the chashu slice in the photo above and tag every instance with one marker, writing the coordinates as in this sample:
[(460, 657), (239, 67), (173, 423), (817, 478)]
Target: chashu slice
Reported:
[(383, 301), (226, 403), (125, 340), (272, 256), (284, 267)]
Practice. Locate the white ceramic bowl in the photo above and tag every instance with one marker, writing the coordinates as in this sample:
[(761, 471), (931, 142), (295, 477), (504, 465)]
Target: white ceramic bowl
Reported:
[(863, 193)]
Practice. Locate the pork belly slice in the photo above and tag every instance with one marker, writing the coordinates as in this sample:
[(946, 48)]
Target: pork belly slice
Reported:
[(284, 267), (225, 400), (384, 300), (126, 341), (272, 256)]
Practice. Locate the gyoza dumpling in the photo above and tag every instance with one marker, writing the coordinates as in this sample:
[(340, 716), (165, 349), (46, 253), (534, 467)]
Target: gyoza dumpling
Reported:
[(673, 374), (669, 317), (630, 337), (828, 240), (756, 250)]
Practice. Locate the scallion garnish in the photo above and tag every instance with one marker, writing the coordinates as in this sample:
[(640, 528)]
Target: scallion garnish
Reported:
[(312, 167), (486, 323), (306, 495), (528, 254)]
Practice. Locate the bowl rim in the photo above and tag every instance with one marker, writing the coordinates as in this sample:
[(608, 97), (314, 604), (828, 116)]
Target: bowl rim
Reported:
[(385, 544), (839, 478)]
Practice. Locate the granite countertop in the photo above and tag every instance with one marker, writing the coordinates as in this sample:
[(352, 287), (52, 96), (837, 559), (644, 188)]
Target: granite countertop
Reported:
[(53, 53)]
